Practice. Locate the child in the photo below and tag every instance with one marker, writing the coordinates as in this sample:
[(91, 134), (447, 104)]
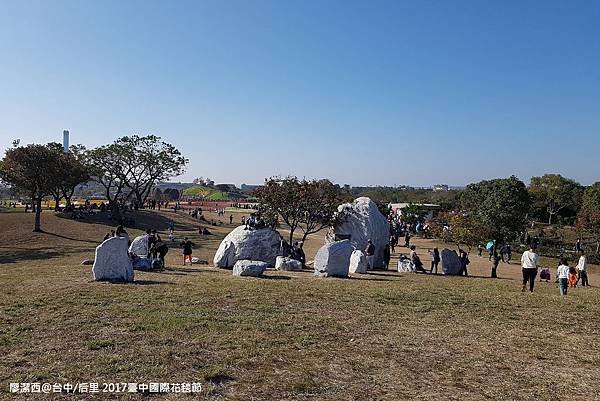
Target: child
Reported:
[(187, 246), (545, 275), (563, 276), (572, 277)]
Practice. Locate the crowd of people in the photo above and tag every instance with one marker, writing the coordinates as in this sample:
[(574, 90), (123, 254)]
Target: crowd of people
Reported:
[(566, 276)]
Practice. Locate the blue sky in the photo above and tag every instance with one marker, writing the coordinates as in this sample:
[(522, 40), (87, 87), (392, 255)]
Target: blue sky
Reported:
[(365, 93)]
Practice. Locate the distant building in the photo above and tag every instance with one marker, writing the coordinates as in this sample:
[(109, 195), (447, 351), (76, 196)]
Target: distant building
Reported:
[(65, 141), (440, 188), (429, 208)]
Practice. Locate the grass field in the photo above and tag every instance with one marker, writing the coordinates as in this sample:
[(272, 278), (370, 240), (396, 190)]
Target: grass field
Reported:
[(287, 336)]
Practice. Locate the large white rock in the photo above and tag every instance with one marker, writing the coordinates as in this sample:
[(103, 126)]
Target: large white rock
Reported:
[(253, 268), (112, 262), (287, 264), (450, 262), (364, 221), (333, 259), (240, 244), (358, 262), (139, 246)]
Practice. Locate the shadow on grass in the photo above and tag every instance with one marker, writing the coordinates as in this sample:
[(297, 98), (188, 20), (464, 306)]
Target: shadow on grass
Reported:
[(71, 239), (143, 220), (172, 270), (135, 282), (276, 277), (15, 255)]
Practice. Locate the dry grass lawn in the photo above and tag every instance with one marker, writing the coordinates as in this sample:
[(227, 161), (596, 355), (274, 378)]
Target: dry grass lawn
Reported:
[(287, 336)]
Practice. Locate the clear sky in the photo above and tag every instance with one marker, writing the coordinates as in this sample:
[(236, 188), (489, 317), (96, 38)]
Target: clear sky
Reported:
[(360, 92)]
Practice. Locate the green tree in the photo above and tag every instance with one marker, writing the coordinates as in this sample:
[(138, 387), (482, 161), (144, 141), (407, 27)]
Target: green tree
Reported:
[(281, 198), (32, 169), (309, 206), (320, 200), (591, 197), (555, 193), (500, 206), (588, 219), (459, 228), (108, 167), (72, 164), (148, 160)]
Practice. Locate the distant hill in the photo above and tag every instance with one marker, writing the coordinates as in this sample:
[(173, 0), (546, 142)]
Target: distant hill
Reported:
[(206, 192)]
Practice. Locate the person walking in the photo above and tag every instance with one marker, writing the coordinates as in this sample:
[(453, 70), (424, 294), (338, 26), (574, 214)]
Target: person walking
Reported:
[(563, 276), (464, 262), (435, 260), (187, 247), (582, 269), (370, 253), (495, 262), (230, 219), (407, 239), (529, 264), (386, 256)]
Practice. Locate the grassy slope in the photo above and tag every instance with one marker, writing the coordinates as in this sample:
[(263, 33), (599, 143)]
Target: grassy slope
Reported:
[(289, 336)]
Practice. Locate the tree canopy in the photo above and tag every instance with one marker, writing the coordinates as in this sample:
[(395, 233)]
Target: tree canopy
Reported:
[(306, 205), (33, 170), (555, 193), (500, 206)]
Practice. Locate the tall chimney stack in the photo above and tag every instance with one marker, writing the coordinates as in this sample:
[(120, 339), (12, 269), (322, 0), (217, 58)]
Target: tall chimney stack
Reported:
[(66, 141)]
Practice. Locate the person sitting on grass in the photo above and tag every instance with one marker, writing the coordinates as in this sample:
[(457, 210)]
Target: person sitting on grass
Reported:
[(416, 260), (187, 247)]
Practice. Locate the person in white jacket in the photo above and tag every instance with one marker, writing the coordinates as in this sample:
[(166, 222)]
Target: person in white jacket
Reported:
[(529, 263), (582, 269), (563, 276)]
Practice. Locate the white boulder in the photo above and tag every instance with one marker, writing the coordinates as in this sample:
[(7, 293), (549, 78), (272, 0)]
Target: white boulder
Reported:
[(139, 246), (333, 259), (287, 264), (358, 262), (253, 268), (112, 262), (363, 221), (241, 244), (450, 262)]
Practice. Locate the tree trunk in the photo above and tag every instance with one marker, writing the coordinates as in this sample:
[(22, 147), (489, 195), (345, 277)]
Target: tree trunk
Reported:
[(115, 211), (291, 236), (550, 218), (37, 227), (56, 203)]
